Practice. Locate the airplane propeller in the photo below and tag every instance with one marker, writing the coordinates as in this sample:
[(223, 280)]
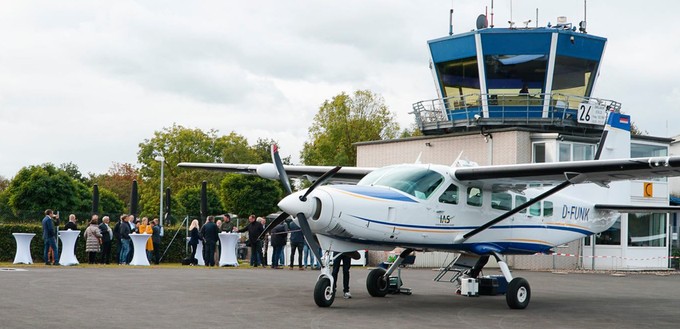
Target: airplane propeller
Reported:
[(302, 219)]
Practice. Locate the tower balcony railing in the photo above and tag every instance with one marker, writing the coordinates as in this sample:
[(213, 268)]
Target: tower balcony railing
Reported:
[(461, 112)]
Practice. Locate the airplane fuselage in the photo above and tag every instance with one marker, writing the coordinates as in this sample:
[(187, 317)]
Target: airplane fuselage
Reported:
[(424, 207)]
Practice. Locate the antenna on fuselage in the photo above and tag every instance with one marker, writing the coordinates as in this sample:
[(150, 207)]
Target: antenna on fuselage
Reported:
[(455, 163)]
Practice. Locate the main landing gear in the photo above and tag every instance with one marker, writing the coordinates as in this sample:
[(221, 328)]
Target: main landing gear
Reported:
[(518, 293), (378, 280)]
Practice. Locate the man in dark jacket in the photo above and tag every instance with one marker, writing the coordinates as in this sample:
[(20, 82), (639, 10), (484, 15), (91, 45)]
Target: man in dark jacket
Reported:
[(50, 239), (297, 242), (116, 237), (107, 236), (210, 232), (125, 239), (279, 237), (156, 240), (254, 229)]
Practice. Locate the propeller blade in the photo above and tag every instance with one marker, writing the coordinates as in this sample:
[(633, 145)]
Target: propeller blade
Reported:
[(283, 177), (320, 181), (273, 224), (309, 236)]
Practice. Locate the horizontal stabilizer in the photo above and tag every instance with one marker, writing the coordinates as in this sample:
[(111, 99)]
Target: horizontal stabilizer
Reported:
[(626, 208)]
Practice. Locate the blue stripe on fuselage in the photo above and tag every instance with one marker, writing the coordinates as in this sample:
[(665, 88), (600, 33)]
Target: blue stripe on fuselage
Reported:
[(374, 192), (496, 227)]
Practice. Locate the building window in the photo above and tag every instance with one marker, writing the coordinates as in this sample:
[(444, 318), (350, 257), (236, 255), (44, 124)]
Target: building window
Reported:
[(647, 230), (647, 150), (575, 151), (539, 153), (474, 196), (572, 77), (460, 82)]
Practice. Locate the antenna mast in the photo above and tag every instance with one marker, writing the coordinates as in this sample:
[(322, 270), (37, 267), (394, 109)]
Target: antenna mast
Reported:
[(491, 13), (451, 22)]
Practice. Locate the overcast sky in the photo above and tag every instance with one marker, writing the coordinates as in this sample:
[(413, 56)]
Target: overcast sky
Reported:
[(87, 81)]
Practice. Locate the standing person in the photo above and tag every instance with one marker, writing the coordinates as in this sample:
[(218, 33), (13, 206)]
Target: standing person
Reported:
[(116, 237), (72, 223), (265, 242), (124, 240), (107, 237), (92, 239), (278, 240), (227, 225), (346, 264), (297, 242), (193, 241), (146, 228), (49, 237), (210, 237), (132, 223), (254, 229), (156, 240)]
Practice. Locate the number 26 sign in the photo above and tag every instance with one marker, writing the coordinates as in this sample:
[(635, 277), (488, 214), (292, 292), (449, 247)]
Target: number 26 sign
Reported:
[(593, 114)]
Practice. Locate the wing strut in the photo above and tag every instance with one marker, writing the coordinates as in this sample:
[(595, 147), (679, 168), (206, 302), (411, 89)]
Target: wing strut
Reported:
[(572, 178)]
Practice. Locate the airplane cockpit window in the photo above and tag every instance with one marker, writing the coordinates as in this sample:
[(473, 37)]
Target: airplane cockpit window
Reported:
[(474, 196), (416, 181), (450, 196)]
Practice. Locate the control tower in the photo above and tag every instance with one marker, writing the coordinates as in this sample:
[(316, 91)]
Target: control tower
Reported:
[(516, 77)]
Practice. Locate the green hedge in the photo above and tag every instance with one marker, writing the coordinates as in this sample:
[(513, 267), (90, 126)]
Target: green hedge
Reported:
[(8, 245)]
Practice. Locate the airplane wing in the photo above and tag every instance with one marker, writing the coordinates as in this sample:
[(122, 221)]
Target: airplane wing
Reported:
[(268, 170), (595, 171)]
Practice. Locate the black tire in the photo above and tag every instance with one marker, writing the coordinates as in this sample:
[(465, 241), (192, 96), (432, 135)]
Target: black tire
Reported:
[(376, 285), (323, 293), (519, 294)]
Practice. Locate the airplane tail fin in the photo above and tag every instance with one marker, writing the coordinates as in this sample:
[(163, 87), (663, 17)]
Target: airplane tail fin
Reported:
[(615, 140)]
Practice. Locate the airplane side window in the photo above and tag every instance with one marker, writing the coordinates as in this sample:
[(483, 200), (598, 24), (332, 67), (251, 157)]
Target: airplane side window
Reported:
[(547, 208), (520, 200), (474, 196), (450, 196), (501, 200), (535, 209)]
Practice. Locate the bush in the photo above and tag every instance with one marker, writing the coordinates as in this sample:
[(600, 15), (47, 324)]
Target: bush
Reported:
[(8, 245)]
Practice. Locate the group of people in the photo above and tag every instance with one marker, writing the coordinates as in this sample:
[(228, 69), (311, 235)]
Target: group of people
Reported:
[(99, 237)]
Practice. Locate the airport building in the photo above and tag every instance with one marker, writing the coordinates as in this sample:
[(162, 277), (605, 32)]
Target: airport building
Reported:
[(523, 95)]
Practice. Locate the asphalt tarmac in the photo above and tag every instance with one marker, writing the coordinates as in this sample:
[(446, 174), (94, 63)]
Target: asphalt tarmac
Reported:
[(195, 297)]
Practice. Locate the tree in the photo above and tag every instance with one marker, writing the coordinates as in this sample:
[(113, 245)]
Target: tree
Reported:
[(36, 188), (346, 120), (118, 180), (189, 199), (109, 203), (4, 183), (179, 144), (245, 195)]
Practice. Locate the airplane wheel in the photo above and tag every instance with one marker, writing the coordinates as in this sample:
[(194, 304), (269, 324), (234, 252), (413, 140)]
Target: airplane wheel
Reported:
[(519, 293), (376, 284), (323, 293)]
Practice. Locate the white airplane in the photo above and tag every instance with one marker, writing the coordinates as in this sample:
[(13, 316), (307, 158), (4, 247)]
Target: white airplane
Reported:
[(478, 211)]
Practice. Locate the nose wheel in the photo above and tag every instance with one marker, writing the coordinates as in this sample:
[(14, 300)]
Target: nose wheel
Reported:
[(323, 293)]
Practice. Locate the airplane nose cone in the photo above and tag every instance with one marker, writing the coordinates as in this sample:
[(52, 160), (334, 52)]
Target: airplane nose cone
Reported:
[(293, 206)]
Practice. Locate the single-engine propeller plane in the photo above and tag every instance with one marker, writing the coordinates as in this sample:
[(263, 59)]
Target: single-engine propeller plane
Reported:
[(477, 211)]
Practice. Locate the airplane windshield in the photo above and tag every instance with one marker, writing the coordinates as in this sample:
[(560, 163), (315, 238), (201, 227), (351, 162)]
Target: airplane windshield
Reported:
[(419, 182)]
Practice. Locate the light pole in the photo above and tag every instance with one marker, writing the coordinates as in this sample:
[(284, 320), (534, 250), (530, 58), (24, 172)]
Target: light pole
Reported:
[(160, 212)]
